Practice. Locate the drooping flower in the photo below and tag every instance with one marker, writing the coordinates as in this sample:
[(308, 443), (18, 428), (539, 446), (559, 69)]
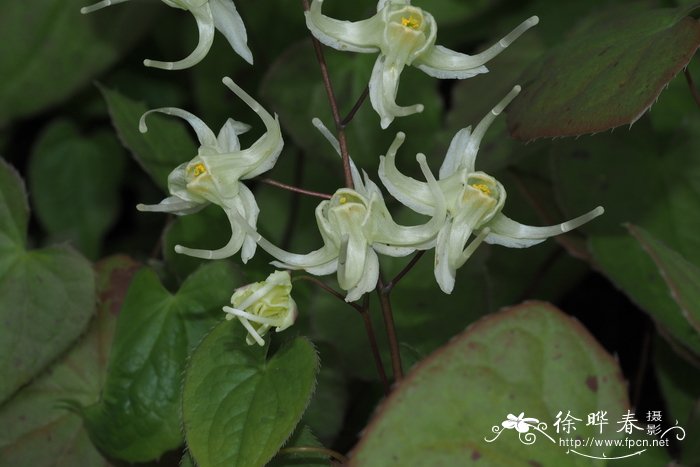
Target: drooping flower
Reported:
[(213, 176), (355, 225), (264, 305), (474, 203), (210, 15), (404, 35)]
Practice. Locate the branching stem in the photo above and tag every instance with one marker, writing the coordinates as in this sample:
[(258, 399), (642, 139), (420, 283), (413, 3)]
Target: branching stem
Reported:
[(313, 449), (284, 186), (334, 106)]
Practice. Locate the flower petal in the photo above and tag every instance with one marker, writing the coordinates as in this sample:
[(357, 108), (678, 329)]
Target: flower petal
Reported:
[(263, 154), (174, 205), (383, 87), (507, 232), (356, 178), (407, 190), (465, 144), (359, 36), (251, 211), (445, 274), (444, 63), (205, 26), (204, 134), (229, 22), (100, 5), (369, 278), (228, 135)]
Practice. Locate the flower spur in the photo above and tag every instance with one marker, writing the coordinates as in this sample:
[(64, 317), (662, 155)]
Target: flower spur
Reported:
[(474, 202)]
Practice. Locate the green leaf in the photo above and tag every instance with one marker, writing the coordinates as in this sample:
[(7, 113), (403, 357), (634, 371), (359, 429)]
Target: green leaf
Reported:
[(49, 50), (531, 358), (239, 407), (606, 74), (138, 417), (46, 296), (163, 147), (39, 430), (303, 437), (681, 276), (75, 184), (642, 181)]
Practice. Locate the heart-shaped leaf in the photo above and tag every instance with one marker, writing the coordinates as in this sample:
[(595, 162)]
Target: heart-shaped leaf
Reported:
[(138, 417), (75, 183), (39, 430), (239, 406), (46, 296), (530, 360), (606, 74)]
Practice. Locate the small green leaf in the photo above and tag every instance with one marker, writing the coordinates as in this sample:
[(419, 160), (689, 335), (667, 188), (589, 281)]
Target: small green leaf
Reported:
[(531, 358), (49, 50), (163, 147), (239, 407), (138, 417), (681, 276), (39, 430), (75, 184), (606, 74), (46, 296), (303, 437)]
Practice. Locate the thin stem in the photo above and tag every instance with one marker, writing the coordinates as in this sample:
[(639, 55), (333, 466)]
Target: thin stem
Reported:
[(348, 118), (364, 312), (691, 85), (284, 186), (328, 289), (388, 288), (369, 329), (312, 449), (388, 315), (334, 106), (294, 202)]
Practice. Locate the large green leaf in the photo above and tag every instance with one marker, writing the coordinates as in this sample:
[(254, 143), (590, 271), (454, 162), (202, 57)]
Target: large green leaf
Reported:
[(531, 358), (650, 183), (240, 406), (39, 430), (49, 50), (163, 147), (606, 74), (681, 276), (138, 416), (46, 296), (75, 184)]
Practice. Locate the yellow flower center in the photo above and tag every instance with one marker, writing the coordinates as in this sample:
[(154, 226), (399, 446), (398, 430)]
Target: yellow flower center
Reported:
[(198, 170), (343, 200), (410, 22), (482, 188)]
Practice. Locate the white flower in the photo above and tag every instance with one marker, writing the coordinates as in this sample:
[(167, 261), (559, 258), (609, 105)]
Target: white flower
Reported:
[(264, 305), (209, 14), (404, 35), (355, 225), (474, 203), (214, 175)]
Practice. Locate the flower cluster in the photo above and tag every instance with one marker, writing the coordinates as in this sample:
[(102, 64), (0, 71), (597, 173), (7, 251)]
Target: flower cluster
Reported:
[(464, 206)]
